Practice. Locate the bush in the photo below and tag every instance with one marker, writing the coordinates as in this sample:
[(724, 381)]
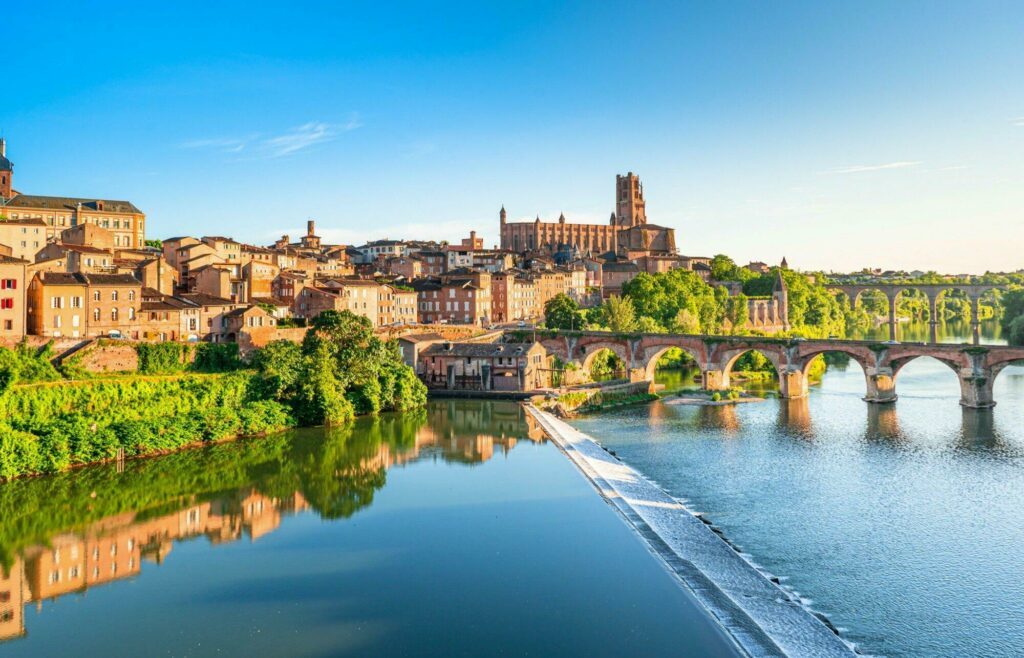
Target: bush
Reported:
[(19, 452), (216, 357), (716, 397), (162, 358), (264, 416)]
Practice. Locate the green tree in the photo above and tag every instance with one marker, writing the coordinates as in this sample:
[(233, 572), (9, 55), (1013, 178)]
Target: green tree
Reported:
[(685, 322), (155, 244), (619, 314), (562, 312), (1016, 336)]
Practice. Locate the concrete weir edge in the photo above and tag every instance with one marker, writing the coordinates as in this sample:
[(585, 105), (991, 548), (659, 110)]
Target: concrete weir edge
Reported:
[(760, 616)]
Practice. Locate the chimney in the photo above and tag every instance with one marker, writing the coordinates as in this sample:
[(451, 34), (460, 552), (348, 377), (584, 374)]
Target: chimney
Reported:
[(310, 227)]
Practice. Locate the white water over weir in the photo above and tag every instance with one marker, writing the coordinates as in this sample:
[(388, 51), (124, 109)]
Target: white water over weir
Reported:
[(760, 616)]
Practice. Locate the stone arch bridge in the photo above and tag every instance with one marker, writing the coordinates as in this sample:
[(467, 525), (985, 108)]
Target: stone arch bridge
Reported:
[(976, 367), (932, 291)]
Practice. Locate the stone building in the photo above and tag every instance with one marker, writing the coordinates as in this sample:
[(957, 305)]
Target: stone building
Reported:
[(121, 218), (456, 298), (12, 297), (627, 231), (485, 366), (770, 315)]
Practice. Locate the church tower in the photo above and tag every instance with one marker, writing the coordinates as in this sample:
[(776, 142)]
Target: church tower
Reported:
[(780, 293), (6, 172), (630, 208)]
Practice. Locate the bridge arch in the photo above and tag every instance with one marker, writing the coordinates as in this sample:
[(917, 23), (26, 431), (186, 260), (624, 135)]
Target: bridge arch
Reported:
[(592, 350), (653, 354)]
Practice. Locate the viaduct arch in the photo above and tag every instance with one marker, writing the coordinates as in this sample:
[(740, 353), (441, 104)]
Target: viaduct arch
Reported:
[(976, 366)]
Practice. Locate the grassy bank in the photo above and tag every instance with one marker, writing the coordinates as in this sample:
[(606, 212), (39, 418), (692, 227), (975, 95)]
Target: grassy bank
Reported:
[(185, 396), (51, 427)]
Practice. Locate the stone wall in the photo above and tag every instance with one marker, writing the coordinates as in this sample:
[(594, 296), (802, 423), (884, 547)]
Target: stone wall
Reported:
[(107, 357)]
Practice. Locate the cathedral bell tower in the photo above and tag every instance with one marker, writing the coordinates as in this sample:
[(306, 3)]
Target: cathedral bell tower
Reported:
[(630, 207)]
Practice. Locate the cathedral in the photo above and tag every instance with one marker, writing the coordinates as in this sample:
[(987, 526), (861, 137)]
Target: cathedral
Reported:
[(627, 234)]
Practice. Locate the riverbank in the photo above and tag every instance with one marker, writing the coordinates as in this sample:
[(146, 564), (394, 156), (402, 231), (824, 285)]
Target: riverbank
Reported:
[(760, 616)]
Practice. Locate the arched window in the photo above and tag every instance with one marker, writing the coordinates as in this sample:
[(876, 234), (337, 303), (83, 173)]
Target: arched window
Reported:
[(113, 295), (131, 295), (131, 313), (96, 315), (113, 314)]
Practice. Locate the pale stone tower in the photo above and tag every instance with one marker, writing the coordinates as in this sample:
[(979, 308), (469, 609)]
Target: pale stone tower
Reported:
[(780, 293), (630, 208)]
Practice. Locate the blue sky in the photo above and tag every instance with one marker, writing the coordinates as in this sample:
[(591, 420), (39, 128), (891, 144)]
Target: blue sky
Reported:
[(840, 135)]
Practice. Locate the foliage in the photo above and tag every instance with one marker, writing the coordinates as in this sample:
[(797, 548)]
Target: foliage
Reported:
[(26, 365), (155, 244), (341, 370), (162, 358), (605, 364), (619, 314), (1016, 333), (724, 268), (216, 357), (562, 312)]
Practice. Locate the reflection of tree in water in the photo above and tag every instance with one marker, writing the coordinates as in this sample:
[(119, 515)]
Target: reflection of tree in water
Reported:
[(336, 470)]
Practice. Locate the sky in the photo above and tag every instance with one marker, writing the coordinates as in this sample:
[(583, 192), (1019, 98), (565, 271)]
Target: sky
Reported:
[(840, 135)]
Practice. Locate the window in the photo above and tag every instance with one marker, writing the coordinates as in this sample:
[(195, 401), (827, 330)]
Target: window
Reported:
[(76, 302), (96, 314), (113, 315), (7, 302), (131, 295), (131, 313), (8, 284), (113, 295), (56, 302), (8, 325), (95, 295)]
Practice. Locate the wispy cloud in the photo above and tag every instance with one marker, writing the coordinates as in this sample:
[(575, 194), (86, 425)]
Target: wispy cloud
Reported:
[(857, 169), (259, 146), (222, 144)]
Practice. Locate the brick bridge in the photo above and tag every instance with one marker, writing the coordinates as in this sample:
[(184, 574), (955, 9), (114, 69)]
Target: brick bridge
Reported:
[(892, 292), (976, 367)]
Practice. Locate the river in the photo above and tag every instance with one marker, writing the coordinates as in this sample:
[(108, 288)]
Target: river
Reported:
[(903, 523), (455, 531)]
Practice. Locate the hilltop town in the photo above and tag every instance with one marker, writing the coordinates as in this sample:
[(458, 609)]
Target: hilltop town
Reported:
[(82, 268)]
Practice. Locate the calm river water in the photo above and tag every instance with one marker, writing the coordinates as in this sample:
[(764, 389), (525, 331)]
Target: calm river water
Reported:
[(451, 532), (904, 523)]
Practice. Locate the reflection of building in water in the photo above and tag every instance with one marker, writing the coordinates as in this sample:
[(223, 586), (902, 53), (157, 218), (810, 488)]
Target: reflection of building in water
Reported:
[(113, 549), (13, 596)]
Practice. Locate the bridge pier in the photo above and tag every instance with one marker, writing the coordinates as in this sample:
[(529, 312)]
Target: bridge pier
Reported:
[(975, 322), (715, 380), (933, 320), (637, 375), (976, 389), (892, 317), (793, 384), (881, 386)]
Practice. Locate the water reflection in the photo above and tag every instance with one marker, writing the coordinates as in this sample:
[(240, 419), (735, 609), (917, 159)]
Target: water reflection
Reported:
[(66, 534), (902, 522)]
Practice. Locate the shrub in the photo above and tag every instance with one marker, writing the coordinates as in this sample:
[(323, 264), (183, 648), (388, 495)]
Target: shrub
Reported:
[(216, 357), (716, 397), (162, 358), (19, 452)]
